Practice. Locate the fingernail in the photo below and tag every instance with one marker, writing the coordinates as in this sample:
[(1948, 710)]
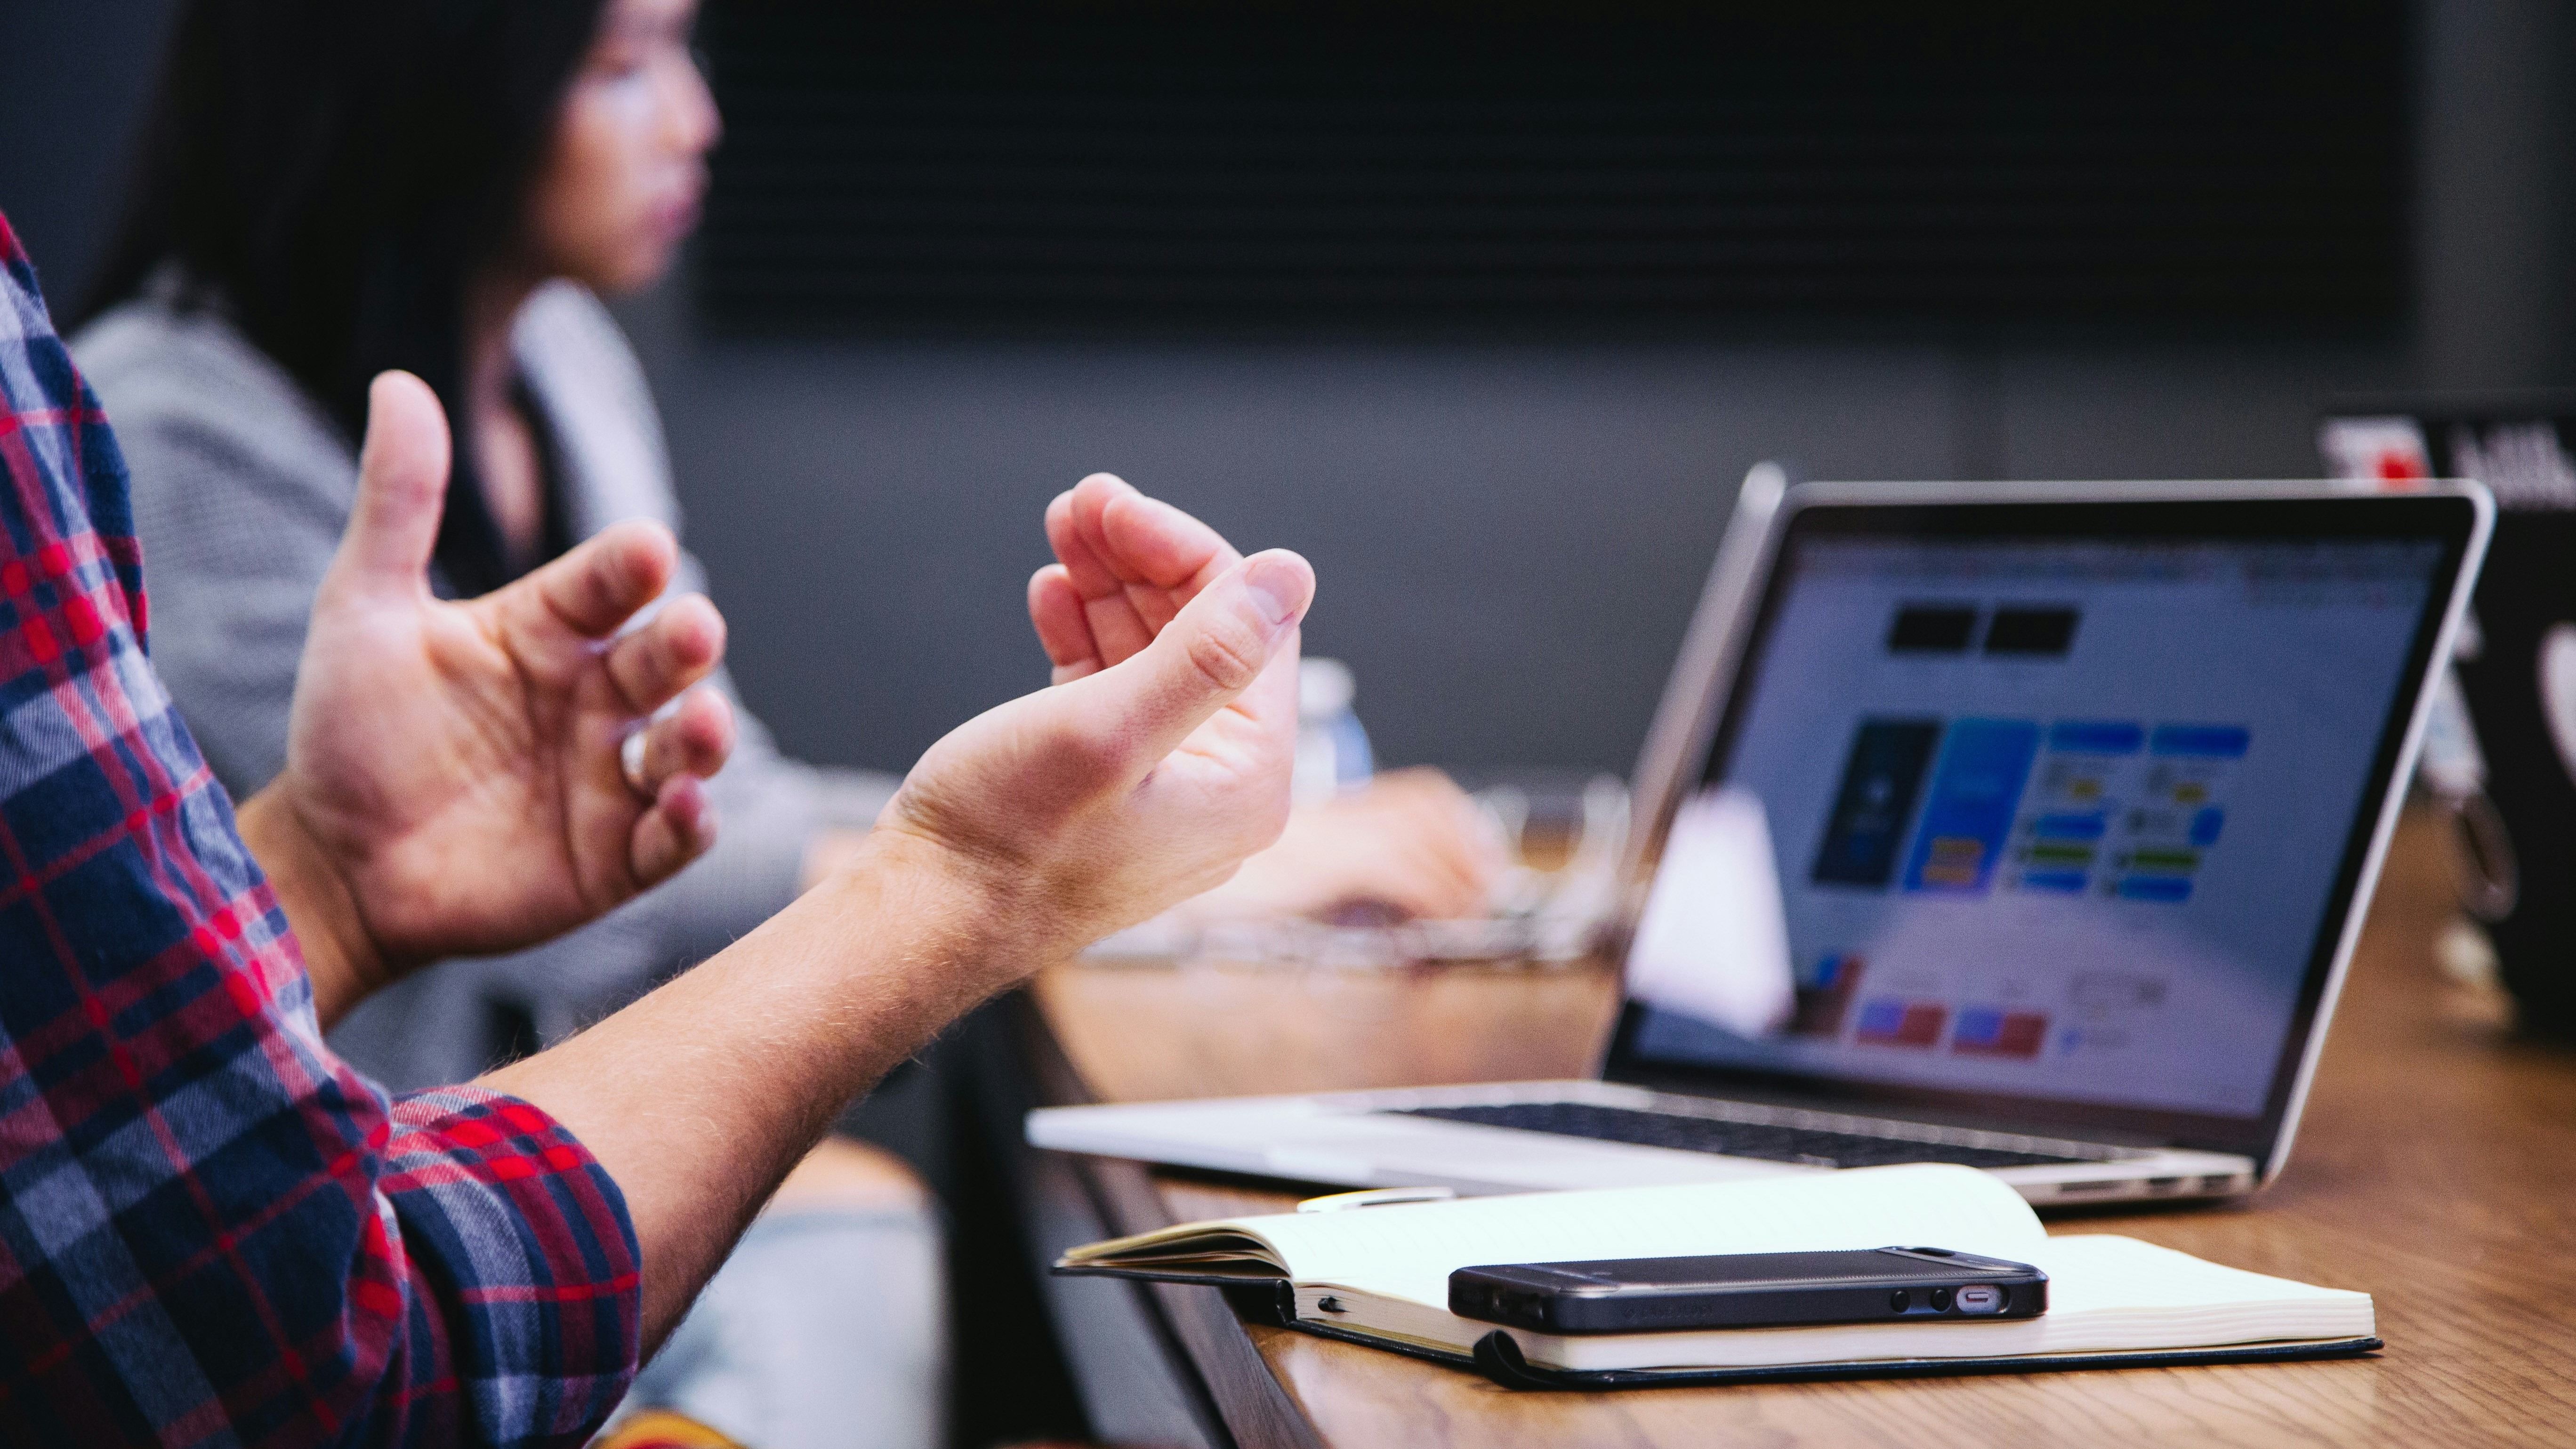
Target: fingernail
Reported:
[(1278, 586)]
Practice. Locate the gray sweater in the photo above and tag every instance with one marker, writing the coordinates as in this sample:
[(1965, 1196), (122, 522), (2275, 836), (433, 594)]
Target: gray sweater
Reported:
[(242, 486)]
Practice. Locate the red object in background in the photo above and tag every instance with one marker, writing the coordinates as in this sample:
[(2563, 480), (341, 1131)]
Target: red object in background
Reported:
[(2398, 466)]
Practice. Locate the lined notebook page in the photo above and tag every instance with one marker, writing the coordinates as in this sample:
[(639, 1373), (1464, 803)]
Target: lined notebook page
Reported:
[(1410, 1251)]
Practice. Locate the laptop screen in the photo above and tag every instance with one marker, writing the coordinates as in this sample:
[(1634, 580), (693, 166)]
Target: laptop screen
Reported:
[(2006, 809)]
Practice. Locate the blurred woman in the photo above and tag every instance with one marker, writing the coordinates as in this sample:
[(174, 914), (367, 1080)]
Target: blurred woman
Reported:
[(446, 186)]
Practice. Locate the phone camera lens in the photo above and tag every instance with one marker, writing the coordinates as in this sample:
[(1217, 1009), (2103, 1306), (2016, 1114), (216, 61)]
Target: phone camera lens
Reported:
[(1900, 1300), (1940, 1300)]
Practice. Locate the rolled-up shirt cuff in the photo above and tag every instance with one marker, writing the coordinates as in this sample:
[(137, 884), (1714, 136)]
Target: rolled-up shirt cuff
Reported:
[(518, 1244)]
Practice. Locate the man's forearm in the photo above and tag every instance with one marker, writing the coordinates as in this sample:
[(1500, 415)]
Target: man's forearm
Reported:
[(700, 1097), (339, 954)]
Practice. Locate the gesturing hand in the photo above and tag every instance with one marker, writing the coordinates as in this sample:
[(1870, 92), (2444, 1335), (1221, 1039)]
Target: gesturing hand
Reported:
[(453, 782), (1161, 757), (1126, 564)]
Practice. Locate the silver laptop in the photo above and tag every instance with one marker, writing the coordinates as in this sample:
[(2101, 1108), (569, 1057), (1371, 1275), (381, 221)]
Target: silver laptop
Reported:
[(2028, 827)]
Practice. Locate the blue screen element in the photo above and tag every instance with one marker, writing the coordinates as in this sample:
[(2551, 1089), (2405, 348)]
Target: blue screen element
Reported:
[(2206, 825), (1880, 780), (2095, 737), (1978, 1026), (2213, 742), (1882, 1018), (1975, 791), (2069, 827)]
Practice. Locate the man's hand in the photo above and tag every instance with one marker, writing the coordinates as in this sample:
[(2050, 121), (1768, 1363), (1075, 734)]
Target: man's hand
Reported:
[(453, 782), (1160, 759), (1412, 842)]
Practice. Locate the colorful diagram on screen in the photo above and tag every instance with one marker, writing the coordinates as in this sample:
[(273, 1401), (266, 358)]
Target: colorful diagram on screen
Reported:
[(2104, 810), (2120, 810), (1967, 817), (2083, 780), (2179, 812), (2109, 807)]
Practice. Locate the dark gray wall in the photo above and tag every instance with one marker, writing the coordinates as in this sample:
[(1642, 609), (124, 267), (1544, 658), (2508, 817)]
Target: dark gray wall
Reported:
[(1510, 537), (74, 75), (2496, 216)]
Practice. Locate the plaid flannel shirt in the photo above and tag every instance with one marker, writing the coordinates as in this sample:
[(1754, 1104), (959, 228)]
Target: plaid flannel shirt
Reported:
[(212, 1231)]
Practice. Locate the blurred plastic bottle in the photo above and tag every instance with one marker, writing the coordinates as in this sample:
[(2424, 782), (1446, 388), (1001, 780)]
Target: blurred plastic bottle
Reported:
[(1333, 752)]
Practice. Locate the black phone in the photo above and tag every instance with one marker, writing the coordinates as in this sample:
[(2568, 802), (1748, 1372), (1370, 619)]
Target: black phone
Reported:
[(1749, 1290)]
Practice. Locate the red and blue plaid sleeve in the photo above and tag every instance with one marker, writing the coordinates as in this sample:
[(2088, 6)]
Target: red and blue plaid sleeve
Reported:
[(212, 1231)]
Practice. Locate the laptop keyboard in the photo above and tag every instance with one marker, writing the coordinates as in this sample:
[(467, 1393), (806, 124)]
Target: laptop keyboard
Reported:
[(1769, 1142)]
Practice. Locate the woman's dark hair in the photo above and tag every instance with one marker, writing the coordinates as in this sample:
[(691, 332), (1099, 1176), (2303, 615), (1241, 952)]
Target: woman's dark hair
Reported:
[(333, 173)]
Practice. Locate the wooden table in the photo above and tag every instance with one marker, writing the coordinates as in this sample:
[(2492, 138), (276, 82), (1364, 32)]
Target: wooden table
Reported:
[(2436, 1169)]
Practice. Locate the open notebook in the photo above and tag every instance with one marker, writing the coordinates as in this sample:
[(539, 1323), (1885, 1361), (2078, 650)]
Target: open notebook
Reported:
[(1381, 1275)]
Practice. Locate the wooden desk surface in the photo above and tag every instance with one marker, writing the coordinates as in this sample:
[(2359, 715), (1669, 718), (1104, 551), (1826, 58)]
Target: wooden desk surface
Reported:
[(2435, 1169)]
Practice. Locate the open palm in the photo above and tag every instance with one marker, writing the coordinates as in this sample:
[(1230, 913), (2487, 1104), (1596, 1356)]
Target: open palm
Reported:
[(458, 762)]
